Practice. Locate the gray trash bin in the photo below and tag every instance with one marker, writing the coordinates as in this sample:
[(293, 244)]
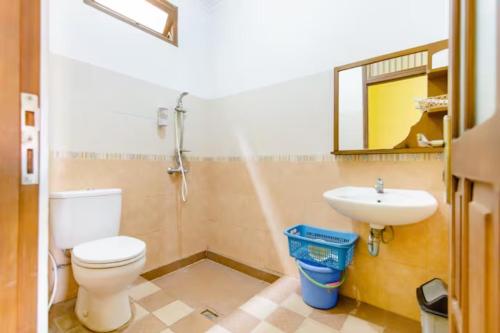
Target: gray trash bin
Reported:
[(432, 297)]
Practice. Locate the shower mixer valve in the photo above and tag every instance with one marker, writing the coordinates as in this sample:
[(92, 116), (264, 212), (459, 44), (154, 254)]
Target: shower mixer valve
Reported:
[(178, 169)]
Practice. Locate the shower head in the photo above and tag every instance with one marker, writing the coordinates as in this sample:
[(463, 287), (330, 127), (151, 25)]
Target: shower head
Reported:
[(179, 100)]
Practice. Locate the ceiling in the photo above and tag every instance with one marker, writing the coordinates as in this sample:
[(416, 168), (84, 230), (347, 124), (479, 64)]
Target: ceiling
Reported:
[(210, 5)]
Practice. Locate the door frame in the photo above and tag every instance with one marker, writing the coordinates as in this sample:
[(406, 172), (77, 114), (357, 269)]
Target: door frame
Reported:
[(474, 159), (19, 204)]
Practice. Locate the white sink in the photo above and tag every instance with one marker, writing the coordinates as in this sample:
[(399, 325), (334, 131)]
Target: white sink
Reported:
[(393, 207)]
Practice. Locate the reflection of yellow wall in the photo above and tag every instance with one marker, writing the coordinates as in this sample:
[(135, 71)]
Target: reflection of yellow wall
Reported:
[(391, 110)]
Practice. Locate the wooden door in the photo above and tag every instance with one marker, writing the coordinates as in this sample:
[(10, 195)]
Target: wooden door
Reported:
[(19, 72), (474, 291)]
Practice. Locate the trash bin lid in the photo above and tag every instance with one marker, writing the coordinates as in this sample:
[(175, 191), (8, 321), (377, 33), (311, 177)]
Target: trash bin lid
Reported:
[(432, 297), (433, 290)]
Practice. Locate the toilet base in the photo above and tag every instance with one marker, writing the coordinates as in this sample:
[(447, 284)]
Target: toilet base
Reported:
[(103, 313)]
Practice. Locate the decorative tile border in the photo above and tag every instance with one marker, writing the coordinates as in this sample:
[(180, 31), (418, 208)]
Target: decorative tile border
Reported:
[(268, 158), (323, 158), (108, 156), (391, 157)]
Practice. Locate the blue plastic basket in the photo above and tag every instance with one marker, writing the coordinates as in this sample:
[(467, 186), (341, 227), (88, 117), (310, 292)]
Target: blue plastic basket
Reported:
[(326, 247)]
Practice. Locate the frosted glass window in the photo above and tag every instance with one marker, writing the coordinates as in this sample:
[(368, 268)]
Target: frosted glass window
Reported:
[(157, 17), (140, 11)]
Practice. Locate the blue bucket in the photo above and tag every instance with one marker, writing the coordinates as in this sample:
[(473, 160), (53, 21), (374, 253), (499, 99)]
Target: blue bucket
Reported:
[(315, 280)]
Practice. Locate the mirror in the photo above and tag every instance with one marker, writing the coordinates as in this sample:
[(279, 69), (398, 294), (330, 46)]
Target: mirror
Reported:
[(392, 103)]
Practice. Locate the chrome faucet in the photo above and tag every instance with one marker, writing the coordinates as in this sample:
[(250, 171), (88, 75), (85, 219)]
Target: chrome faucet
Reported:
[(379, 185)]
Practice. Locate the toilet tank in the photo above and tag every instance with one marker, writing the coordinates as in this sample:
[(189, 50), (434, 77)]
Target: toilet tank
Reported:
[(81, 216)]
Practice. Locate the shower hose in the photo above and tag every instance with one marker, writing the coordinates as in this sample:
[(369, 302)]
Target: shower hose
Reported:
[(178, 134)]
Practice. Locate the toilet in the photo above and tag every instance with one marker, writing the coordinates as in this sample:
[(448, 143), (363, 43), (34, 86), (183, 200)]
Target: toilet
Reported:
[(104, 264)]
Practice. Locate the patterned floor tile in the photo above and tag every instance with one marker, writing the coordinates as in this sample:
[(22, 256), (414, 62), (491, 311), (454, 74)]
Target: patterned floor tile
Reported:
[(392, 322), (66, 322), (248, 306), (286, 320), (217, 329), (148, 323), (280, 289), (239, 322), (173, 312), (138, 312), (259, 307), (139, 280), (79, 329), (194, 323), (62, 308), (265, 327), (142, 290), (155, 301), (312, 326), (295, 303), (356, 325), (209, 284), (329, 318)]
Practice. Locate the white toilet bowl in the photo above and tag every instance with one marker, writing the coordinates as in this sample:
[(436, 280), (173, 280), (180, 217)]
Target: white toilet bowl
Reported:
[(103, 269)]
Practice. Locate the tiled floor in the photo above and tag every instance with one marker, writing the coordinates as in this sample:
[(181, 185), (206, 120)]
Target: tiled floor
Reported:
[(174, 302)]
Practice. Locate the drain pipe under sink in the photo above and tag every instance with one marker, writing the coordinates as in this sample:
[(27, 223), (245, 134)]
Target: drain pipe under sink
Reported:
[(375, 237)]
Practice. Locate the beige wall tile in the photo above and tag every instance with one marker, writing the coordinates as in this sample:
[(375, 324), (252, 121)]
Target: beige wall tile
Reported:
[(240, 208), (162, 247), (151, 209), (263, 198)]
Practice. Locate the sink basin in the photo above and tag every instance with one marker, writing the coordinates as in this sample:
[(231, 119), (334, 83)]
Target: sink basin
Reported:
[(393, 207)]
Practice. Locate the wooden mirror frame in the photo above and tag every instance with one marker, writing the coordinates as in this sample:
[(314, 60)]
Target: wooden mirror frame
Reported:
[(431, 49)]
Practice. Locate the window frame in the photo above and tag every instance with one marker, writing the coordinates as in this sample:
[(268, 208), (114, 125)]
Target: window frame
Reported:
[(171, 26)]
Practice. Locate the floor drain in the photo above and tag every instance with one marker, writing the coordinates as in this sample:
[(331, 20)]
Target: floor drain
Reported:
[(210, 314)]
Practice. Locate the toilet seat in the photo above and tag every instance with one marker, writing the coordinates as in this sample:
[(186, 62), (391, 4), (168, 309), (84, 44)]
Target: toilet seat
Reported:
[(108, 252)]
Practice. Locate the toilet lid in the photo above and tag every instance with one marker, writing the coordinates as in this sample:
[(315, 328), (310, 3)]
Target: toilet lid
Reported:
[(109, 250)]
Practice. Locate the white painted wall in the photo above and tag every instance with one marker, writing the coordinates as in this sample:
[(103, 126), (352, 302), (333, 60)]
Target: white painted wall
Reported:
[(262, 67), (255, 43), (97, 110), (272, 65), (231, 46), (84, 33), (293, 117)]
